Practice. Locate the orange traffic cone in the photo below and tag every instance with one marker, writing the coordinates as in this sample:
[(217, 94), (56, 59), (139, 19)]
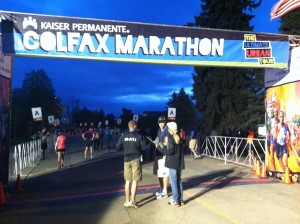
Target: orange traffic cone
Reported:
[(257, 168), (287, 178), (263, 173), (18, 184), (254, 167), (2, 195)]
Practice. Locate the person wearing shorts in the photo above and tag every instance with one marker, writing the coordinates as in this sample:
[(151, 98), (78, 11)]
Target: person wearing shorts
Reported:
[(163, 178), (132, 144), (193, 144), (60, 148), (88, 137)]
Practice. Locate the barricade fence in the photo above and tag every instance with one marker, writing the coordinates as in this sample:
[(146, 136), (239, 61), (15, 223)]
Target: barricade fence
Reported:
[(242, 151), (26, 155), (230, 149)]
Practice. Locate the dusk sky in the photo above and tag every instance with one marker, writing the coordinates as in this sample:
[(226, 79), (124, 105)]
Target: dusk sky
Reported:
[(114, 85)]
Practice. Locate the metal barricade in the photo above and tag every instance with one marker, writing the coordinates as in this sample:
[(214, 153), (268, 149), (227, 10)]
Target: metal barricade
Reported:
[(235, 150), (25, 155)]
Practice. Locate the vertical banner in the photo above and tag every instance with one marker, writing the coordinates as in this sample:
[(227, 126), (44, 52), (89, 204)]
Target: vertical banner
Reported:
[(51, 119), (135, 117), (171, 114), (5, 102), (119, 121), (56, 122), (283, 127), (37, 114)]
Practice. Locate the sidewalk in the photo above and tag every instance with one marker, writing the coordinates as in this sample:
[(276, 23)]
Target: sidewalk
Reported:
[(92, 191)]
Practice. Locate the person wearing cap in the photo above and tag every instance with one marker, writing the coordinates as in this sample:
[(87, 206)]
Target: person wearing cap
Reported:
[(172, 147), (161, 171)]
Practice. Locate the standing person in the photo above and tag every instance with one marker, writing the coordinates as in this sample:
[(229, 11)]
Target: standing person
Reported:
[(250, 136), (60, 148), (44, 145), (132, 144), (163, 178), (175, 162), (282, 139), (273, 122), (96, 140), (183, 138), (107, 137), (101, 131), (193, 143), (88, 137)]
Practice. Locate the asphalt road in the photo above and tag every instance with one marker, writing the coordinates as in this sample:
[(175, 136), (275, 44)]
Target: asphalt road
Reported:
[(92, 191)]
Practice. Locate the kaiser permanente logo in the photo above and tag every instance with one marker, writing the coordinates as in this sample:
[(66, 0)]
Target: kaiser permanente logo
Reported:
[(261, 50), (29, 22)]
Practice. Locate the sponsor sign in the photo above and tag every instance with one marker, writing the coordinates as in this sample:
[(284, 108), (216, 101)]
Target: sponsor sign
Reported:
[(67, 37)]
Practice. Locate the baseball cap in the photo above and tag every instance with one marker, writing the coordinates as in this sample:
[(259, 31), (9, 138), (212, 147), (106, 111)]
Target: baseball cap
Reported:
[(162, 119), (172, 126)]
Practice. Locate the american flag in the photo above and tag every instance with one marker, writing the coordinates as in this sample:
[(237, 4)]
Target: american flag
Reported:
[(284, 6)]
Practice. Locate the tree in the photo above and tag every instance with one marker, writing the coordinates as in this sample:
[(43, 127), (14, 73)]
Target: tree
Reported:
[(185, 109), (36, 91), (126, 116), (290, 23), (223, 95)]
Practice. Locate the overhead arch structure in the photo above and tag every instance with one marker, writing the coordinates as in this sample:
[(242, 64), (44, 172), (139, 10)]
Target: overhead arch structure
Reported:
[(48, 36), (93, 39)]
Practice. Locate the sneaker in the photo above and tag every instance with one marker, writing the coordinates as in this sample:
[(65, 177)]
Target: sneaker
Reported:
[(127, 204), (157, 193), (182, 203), (173, 203), (162, 196), (134, 204)]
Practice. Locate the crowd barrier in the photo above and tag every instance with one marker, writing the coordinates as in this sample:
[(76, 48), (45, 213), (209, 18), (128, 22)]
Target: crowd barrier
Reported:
[(26, 155), (242, 151), (230, 149)]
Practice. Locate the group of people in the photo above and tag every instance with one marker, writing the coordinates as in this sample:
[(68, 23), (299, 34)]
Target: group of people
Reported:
[(60, 146), (168, 164)]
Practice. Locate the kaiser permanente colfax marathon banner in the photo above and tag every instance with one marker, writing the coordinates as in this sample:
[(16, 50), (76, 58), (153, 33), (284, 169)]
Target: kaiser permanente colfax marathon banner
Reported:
[(66, 37)]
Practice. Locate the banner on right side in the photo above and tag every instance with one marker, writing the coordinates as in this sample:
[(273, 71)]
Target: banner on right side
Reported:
[(283, 115), (283, 127)]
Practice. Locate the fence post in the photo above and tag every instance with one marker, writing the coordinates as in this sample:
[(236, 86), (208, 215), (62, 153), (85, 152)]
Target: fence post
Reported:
[(225, 156), (215, 148)]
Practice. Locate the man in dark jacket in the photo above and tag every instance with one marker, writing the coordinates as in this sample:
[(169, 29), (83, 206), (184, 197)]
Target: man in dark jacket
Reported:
[(132, 144), (175, 163)]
